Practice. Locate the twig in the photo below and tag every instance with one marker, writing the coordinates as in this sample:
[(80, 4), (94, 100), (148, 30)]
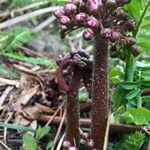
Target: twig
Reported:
[(59, 130), (4, 145), (30, 52), (10, 82), (60, 142), (44, 108), (5, 94), (26, 70), (121, 128), (27, 16), (50, 120), (44, 24), (5, 129), (33, 5)]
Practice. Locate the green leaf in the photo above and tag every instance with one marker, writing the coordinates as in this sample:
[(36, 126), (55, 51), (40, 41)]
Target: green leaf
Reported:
[(132, 94), (116, 74), (82, 96), (129, 85), (132, 141), (7, 72), (16, 127), (41, 132), (140, 11), (145, 84), (29, 142), (49, 145), (13, 38), (137, 116), (38, 61), (119, 97)]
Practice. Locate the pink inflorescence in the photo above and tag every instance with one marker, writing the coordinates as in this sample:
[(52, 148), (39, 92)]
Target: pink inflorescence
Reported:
[(108, 18)]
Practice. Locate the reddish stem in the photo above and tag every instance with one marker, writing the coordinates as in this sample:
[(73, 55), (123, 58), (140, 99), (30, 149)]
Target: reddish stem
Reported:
[(72, 132), (99, 92)]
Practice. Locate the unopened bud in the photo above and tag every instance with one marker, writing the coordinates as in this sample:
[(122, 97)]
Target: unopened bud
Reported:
[(115, 36), (59, 12), (66, 144), (72, 148), (76, 2), (93, 6), (107, 32), (88, 34), (90, 143), (64, 20), (130, 24), (85, 135), (92, 23), (135, 50), (70, 8), (80, 18)]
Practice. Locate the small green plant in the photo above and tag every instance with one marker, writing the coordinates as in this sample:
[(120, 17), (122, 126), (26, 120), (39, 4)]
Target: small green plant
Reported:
[(31, 143), (11, 39), (132, 141)]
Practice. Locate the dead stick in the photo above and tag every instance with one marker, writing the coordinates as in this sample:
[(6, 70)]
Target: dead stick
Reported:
[(50, 120), (10, 82), (5, 94), (27, 16), (59, 129), (121, 128)]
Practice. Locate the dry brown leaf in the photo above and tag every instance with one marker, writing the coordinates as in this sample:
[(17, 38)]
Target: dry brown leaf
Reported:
[(32, 112), (45, 109), (25, 97), (21, 120), (28, 81)]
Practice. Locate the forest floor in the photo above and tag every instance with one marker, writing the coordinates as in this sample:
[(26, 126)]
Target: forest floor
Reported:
[(29, 92)]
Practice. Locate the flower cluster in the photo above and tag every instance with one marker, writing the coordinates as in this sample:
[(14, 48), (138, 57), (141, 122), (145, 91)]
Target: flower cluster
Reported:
[(85, 140), (106, 17), (78, 60)]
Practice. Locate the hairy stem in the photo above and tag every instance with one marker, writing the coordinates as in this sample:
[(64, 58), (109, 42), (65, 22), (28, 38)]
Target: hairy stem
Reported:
[(72, 130), (100, 104)]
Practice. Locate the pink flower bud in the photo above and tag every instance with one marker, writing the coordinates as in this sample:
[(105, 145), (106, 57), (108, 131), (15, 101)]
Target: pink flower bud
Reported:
[(64, 20), (80, 18), (130, 24), (88, 34), (85, 135), (92, 23), (70, 8), (93, 6), (59, 12), (115, 36), (90, 143), (76, 2), (66, 144), (72, 148), (107, 33)]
